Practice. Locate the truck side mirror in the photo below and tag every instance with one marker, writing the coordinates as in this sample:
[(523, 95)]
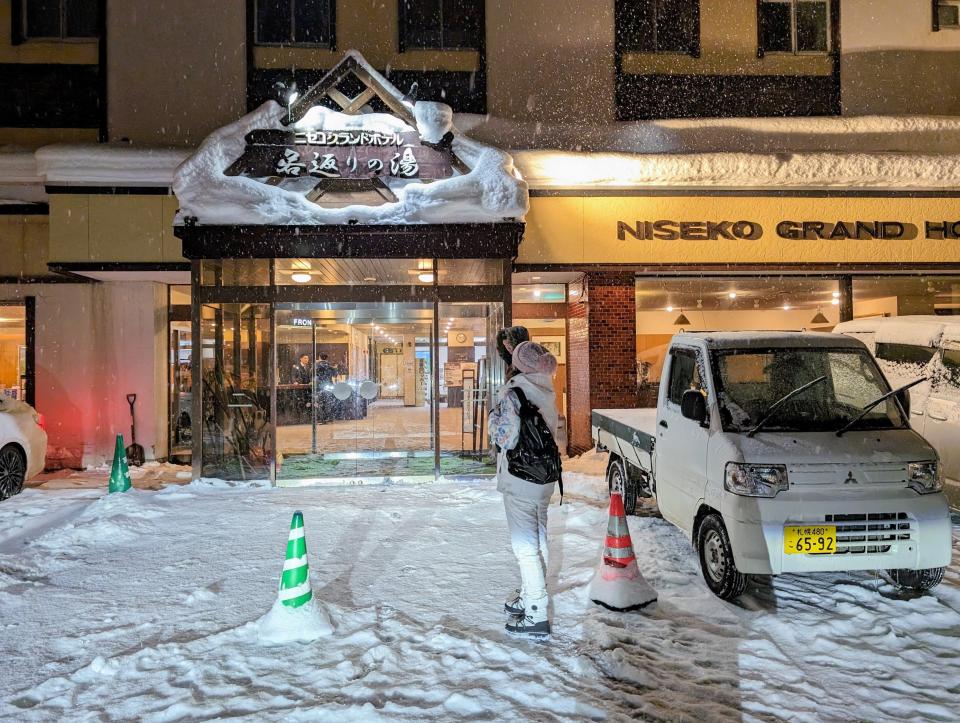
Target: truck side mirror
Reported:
[(693, 405), (904, 399)]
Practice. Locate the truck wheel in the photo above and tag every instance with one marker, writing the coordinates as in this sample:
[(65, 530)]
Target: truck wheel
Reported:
[(13, 471), (919, 580), (716, 559), (619, 481)]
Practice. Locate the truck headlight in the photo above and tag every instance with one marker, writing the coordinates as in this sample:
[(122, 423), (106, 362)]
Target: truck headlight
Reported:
[(755, 480), (924, 477)]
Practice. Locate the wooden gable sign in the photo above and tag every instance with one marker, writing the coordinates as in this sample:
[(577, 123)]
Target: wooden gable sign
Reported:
[(346, 155), (341, 154)]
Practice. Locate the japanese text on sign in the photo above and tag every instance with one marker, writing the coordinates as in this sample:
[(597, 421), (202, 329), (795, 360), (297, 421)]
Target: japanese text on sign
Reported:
[(403, 164)]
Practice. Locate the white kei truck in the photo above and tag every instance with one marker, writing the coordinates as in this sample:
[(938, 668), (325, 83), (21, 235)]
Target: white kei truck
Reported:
[(783, 452)]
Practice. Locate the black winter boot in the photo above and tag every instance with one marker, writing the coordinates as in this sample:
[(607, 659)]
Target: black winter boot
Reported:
[(514, 603), (533, 623)]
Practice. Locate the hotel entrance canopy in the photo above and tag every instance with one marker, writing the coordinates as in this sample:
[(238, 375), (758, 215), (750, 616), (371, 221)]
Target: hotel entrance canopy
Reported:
[(350, 258)]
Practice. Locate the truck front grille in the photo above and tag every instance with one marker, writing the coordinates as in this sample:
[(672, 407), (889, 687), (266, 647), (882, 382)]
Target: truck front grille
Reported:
[(870, 532)]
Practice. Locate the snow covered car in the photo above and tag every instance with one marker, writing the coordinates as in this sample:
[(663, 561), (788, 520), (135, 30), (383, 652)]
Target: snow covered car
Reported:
[(23, 445), (783, 452), (916, 347)]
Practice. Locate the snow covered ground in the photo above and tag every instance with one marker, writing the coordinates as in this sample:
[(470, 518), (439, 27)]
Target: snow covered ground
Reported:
[(146, 605)]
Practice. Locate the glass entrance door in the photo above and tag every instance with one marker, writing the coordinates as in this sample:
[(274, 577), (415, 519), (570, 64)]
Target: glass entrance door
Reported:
[(354, 397), (235, 364)]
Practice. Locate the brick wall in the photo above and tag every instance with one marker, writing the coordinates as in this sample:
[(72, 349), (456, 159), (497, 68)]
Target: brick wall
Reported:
[(601, 353), (578, 379)]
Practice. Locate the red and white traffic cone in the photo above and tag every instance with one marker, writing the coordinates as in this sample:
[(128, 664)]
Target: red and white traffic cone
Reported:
[(618, 584)]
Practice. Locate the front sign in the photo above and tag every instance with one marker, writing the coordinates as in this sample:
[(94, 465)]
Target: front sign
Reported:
[(760, 229), (341, 154), (664, 230)]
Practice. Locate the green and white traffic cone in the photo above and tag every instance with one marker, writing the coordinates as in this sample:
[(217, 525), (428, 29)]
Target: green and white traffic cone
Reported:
[(295, 579), (120, 474)]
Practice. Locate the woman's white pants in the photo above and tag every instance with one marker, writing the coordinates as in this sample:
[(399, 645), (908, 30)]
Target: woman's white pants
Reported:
[(527, 522)]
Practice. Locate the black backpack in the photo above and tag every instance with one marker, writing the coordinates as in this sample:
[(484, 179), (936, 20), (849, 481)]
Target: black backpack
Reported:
[(535, 458)]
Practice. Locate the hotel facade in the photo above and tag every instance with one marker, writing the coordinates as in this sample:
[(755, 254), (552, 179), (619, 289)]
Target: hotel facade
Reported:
[(661, 165)]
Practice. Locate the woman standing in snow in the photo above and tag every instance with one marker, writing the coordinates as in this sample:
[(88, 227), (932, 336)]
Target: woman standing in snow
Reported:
[(523, 426)]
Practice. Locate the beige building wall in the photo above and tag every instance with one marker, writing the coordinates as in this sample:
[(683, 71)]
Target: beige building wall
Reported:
[(175, 70), (894, 63), (551, 60), (24, 245), (95, 344), (102, 227)]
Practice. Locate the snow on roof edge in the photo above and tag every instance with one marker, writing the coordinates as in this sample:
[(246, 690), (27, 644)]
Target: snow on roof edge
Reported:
[(490, 191)]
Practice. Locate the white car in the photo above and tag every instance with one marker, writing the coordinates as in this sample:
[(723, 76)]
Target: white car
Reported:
[(916, 347), (23, 445)]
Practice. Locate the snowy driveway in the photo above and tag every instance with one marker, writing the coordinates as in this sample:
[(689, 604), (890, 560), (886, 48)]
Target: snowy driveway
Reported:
[(140, 606)]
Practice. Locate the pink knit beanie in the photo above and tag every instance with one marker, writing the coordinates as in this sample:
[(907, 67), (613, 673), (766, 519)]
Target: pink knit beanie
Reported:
[(532, 358)]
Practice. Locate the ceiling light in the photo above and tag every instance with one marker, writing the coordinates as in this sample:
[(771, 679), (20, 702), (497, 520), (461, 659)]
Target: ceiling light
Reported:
[(835, 302), (732, 294), (536, 293), (426, 278), (536, 278), (819, 318), (836, 294), (301, 277), (669, 309), (369, 279), (786, 307)]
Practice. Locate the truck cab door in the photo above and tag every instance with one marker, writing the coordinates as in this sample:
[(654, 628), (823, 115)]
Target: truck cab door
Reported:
[(681, 451)]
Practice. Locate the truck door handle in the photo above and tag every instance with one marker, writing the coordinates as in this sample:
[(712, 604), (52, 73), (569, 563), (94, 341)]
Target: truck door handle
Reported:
[(663, 423)]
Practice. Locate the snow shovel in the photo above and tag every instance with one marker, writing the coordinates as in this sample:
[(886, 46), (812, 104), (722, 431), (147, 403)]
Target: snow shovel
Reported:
[(135, 454)]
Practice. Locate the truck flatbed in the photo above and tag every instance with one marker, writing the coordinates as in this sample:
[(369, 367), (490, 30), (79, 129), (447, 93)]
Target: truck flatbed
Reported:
[(633, 427)]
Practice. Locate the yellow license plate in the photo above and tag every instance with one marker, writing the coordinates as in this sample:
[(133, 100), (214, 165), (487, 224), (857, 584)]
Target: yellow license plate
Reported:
[(810, 540)]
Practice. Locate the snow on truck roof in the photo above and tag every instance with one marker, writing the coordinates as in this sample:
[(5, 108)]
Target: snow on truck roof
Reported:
[(766, 339), (920, 330)]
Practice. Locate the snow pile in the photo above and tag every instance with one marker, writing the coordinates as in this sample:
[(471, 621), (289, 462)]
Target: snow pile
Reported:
[(490, 191), (859, 134), (283, 624), (18, 166), (569, 170), (107, 164), (621, 592), (151, 475), (585, 476)]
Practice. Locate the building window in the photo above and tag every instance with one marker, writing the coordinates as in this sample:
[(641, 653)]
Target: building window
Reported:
[(794, 26), (659, 26), (441, 24), (295, 22), (946, 14), (59, 19)]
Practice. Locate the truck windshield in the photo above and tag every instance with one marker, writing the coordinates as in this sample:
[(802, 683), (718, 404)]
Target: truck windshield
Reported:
[(750, 381)]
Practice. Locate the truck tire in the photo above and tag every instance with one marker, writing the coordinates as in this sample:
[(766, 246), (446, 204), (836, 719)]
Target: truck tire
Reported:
[(716, 559), (619, 481), (919, 580)]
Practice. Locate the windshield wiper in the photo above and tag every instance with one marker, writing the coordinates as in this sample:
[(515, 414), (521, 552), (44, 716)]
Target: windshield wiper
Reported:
[(781, 400), (866, 410)]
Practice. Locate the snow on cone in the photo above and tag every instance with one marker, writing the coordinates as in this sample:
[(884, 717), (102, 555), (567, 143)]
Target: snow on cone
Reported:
[(120, 472), (618, 584), (295, 579), (295, 615)]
